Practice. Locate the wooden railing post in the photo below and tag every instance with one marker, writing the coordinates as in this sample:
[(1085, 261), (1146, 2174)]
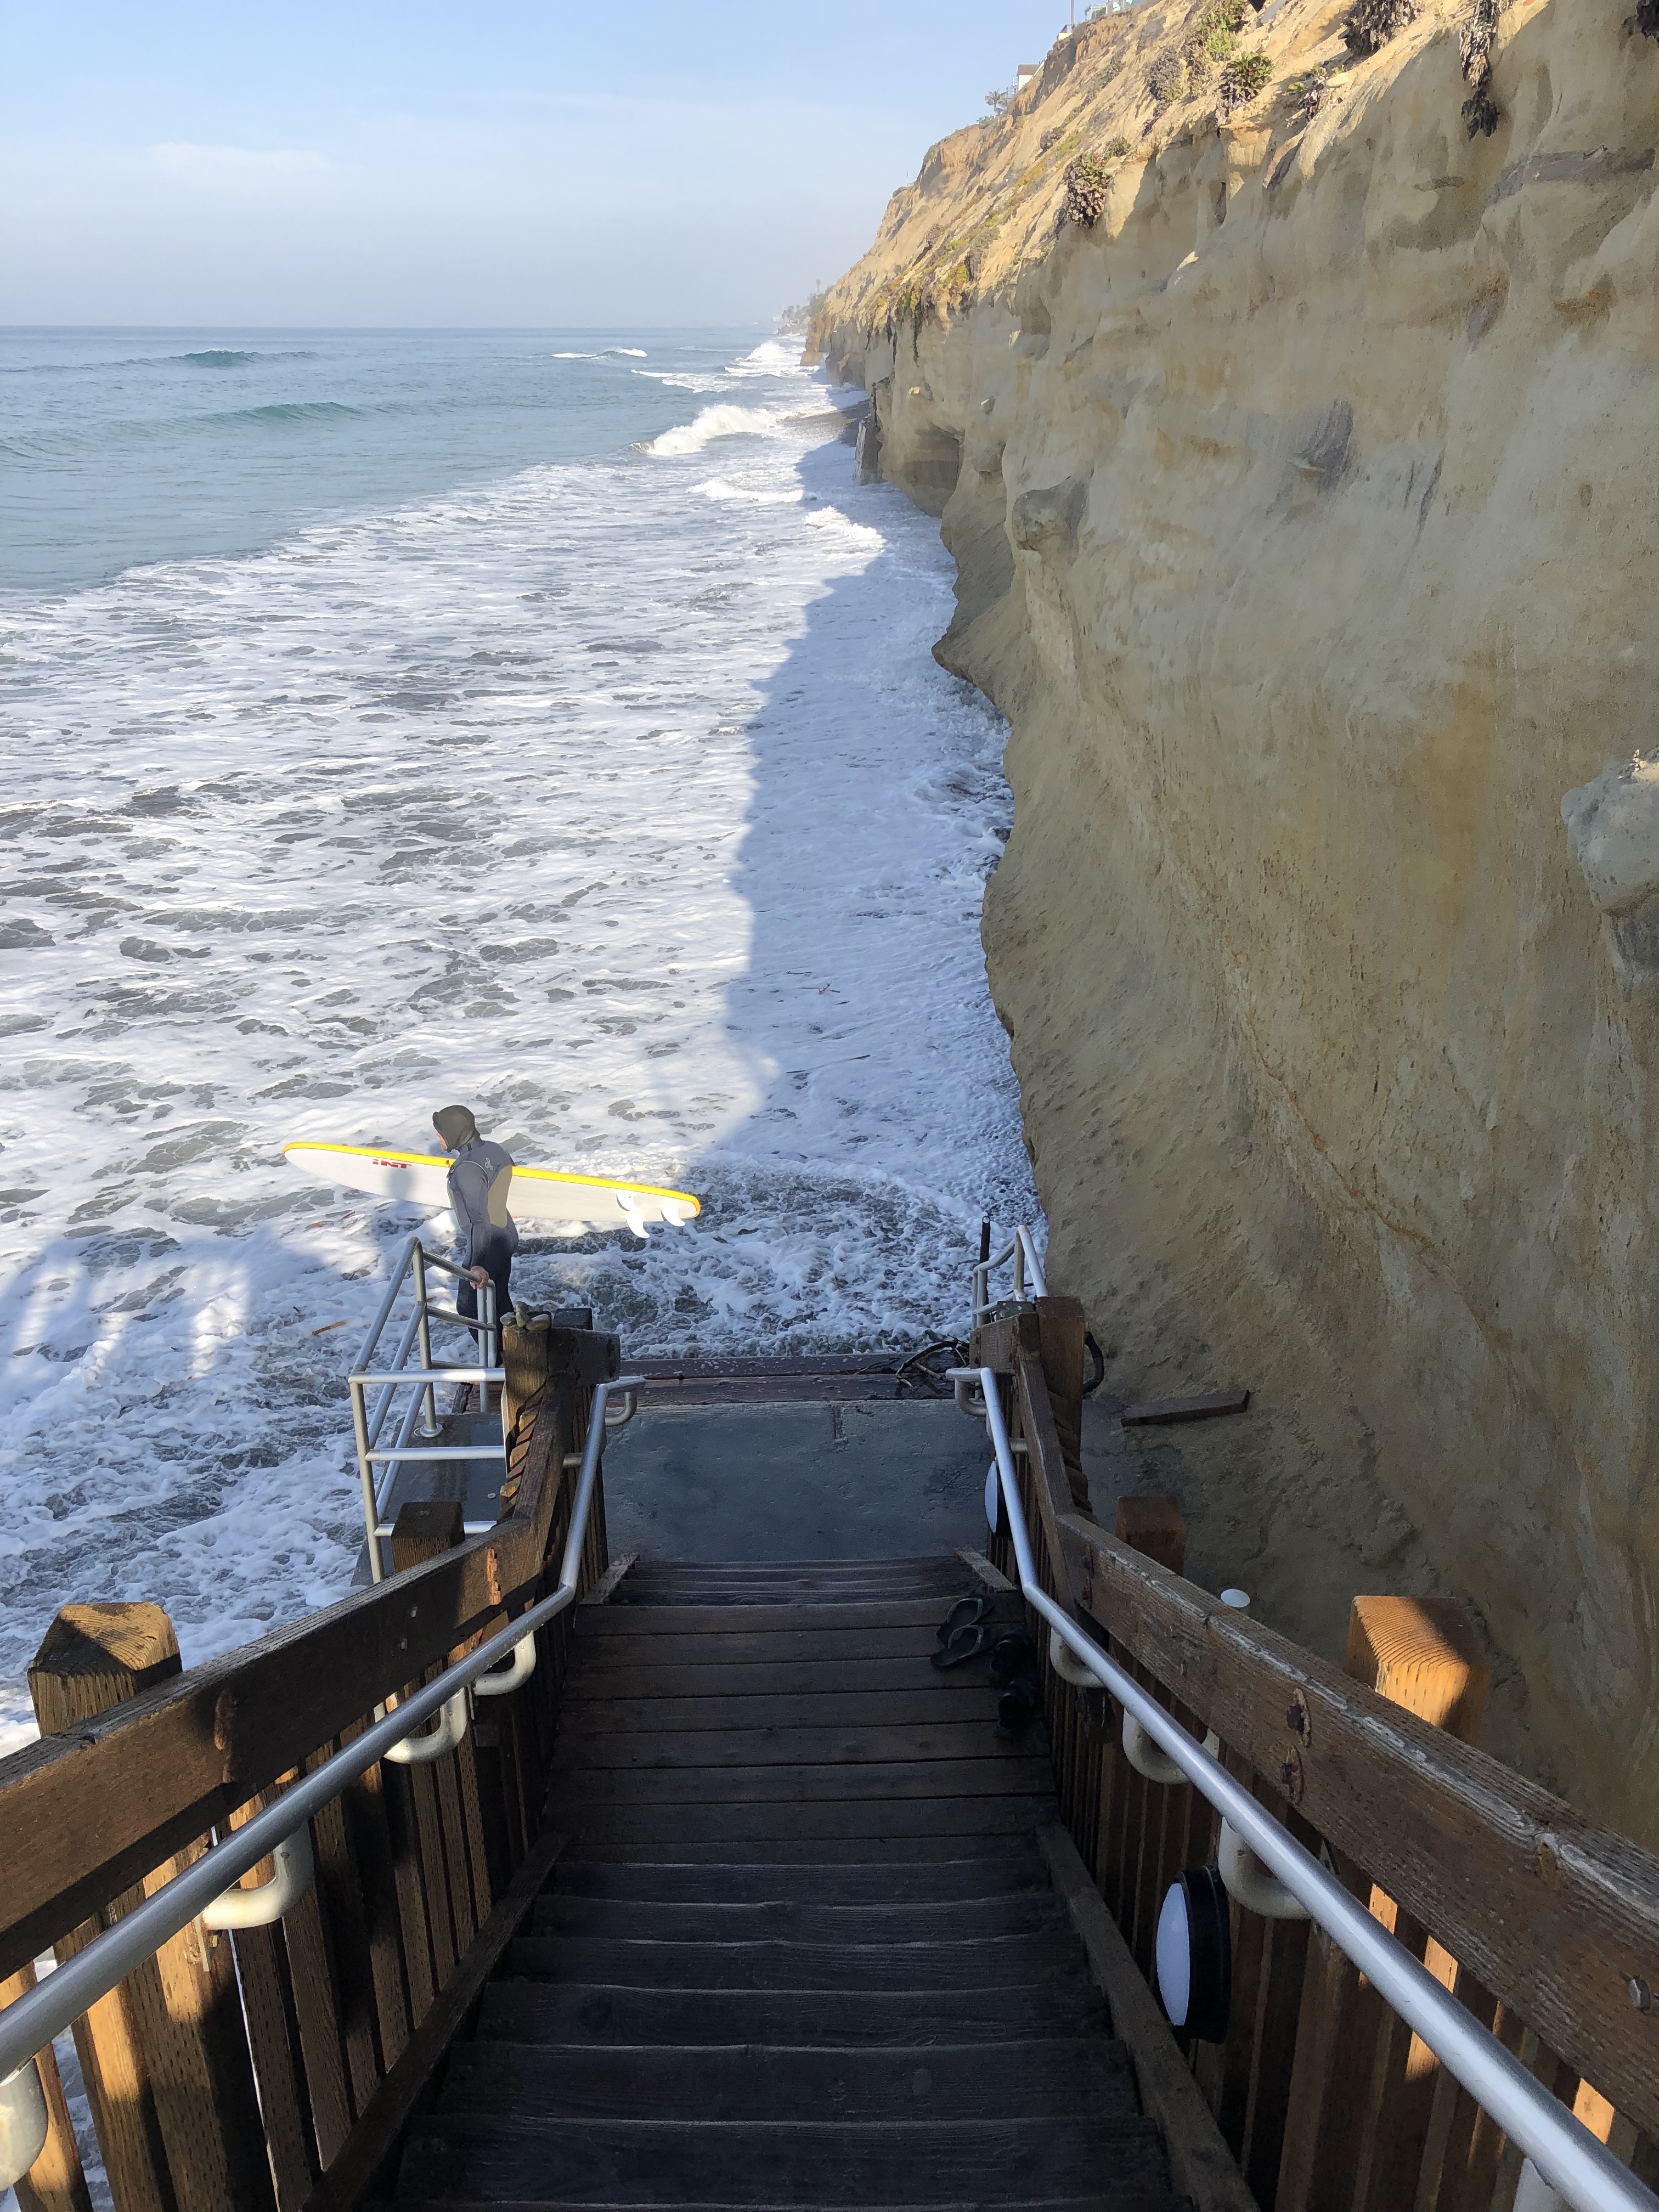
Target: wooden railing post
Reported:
[(164, 2057), (55, 2182), (1362, 2087), (1059, 1335)]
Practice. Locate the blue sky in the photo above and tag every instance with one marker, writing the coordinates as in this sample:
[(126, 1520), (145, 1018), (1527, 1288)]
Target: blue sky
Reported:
[(361, 162)]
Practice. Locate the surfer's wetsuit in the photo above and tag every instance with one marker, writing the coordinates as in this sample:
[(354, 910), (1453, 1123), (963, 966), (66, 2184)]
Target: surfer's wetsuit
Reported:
[(478, 1181)]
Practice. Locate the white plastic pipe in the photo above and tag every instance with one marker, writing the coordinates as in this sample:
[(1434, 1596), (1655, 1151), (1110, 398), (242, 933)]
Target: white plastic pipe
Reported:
[(438, 1742), (1568, 2157), (1069, 1668), (1144, 1755), (22, 2123), (263, 1906), (509, 1678), (1249, 1883)]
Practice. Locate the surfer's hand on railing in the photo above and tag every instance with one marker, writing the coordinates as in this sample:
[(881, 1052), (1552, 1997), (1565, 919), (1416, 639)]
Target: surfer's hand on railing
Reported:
[(478, 1276)]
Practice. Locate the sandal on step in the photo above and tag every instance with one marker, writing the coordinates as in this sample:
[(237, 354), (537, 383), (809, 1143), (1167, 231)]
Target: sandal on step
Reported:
[(965, 1613), (1016, 1708), (1012, 1656), (965, 1642)]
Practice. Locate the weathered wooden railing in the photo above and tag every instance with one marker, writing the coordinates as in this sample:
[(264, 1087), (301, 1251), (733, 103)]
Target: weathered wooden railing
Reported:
[(1545, 1927), (276, 2066)]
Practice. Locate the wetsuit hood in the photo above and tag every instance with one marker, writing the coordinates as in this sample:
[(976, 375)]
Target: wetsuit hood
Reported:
[(455, 1125)]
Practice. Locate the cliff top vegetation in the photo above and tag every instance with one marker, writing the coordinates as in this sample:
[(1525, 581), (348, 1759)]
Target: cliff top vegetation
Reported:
[(1076, 144)]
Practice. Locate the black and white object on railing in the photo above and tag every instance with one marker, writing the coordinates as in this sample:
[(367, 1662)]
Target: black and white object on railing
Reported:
[(31, 2021), (1567, 2158)]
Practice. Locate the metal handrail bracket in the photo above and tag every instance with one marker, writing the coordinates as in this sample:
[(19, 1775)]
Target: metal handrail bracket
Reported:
[(1565, 2152)]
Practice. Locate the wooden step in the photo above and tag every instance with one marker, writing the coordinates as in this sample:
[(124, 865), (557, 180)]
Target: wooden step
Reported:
[(944, 1563), (1072, 2079), (727, 1635), (989, 2162), (912, 1743), (571, 2012), (943, 1825), (919, 1698), (862, 1614), (636, 1674), (831, 1882), (926, 1848), (1029, 1912), (1138, 2203), (1010, 1770), (990, 1962)]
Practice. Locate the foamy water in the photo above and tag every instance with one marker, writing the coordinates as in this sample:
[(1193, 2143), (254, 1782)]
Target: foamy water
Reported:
[(621, 798)]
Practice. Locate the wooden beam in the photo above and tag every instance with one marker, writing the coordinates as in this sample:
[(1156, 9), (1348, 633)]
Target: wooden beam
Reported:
[(1163, 1413), (372, 2144), (1552, 1915), (1155, 1527), (1422, 1653), (1060, 1344), (606, 1586), (1050, 1483), (85, 1814), (1201, 2164), (164, 2057)]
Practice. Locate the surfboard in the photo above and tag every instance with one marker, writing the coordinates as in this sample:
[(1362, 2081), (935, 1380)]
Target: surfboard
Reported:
[(533, 1194)]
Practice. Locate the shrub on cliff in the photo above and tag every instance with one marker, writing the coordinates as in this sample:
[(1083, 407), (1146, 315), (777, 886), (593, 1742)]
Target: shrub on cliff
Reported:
[(1474, 45), (1086, 181), (1214, 37), (1166, 79), (1241, 81), (1372, 23)]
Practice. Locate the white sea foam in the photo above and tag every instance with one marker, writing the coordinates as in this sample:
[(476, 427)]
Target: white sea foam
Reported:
[(715, 423), (635, 811), (690, 379)]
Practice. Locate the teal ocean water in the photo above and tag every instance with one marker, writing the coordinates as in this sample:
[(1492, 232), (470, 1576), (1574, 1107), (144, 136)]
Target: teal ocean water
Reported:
[(122, 447)]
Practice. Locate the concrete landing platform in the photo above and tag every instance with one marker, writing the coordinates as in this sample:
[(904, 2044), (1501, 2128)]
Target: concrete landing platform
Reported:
[(867, 1479)]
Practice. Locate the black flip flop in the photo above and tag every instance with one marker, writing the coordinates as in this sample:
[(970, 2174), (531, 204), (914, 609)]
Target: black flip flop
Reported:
[(1016, 1708), (965, 1613), (965, 1642), (1012, 1656)]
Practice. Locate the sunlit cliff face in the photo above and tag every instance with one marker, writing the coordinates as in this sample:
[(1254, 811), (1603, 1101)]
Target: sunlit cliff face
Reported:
[(1303, 508)]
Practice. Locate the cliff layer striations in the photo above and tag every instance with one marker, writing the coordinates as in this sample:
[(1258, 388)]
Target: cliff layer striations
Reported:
[(1286, 386)]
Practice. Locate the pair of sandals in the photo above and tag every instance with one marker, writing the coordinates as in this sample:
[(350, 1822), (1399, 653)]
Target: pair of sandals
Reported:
[(966, 1631)]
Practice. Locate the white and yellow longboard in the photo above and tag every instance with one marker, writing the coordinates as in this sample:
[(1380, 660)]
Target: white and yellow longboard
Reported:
[(534, 1193)]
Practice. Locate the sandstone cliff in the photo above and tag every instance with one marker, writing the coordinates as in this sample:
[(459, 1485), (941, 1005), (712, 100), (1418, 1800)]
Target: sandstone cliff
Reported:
[(1304, 507)]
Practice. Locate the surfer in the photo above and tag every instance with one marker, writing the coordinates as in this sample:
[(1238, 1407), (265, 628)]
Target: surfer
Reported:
[(478, 1180)]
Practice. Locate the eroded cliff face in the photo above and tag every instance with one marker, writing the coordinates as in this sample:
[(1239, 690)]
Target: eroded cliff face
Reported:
[(1306, 517)]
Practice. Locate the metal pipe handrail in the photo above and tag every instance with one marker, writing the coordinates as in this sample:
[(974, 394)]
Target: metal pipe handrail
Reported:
[(1021, 1249), (30, 2022), (1567, 2156), (368, 1426)]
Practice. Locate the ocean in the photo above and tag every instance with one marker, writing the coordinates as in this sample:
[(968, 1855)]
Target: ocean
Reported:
[(546, 721)]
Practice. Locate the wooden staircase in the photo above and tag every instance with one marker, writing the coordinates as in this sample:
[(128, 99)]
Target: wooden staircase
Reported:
[(800, 1948)]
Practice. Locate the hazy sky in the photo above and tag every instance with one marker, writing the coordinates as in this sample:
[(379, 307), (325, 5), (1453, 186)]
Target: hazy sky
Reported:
[(365, 162)]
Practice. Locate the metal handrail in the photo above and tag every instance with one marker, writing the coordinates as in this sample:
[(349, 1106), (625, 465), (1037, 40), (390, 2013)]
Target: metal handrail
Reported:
[(31, 2021), (368, 1423), (1568, 2157), (1022, 1249)]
